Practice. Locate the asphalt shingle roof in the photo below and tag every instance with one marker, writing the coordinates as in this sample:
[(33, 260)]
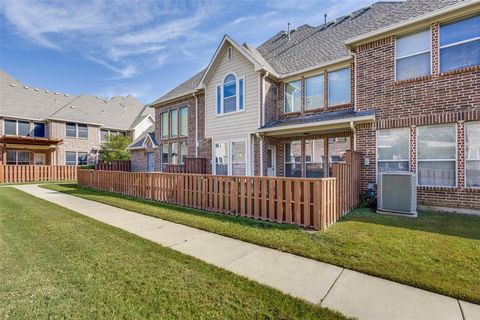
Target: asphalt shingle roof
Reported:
[(320, 117), (20, 101), (138, 143), (310, 46)]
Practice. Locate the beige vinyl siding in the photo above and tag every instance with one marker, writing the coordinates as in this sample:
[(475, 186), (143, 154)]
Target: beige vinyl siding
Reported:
[(232, 125)]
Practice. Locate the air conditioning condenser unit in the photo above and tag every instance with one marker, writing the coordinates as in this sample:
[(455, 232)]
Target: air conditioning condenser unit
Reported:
[(397, 193)]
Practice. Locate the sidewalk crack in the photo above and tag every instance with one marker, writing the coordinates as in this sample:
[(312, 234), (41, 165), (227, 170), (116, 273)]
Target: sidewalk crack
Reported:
[(333, 284), (461, 310)]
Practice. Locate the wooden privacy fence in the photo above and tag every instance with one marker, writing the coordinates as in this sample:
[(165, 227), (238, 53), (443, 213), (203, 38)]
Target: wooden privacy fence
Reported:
[(116, 165), (311, 203), (191, 165), (31, 173), (306, 202), (348, 177)]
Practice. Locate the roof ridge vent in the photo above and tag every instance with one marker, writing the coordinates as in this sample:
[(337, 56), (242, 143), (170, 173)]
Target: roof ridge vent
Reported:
[(72, 107), (66, 95), (47, 91), (36, 89), (13, 85), (25, 87), (57, 93)]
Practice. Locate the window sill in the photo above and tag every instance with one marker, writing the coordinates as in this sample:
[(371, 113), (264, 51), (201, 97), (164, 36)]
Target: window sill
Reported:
[(315, 110), (338, 106), (459, 71), (413, 80), (437, 188), (229, 113)]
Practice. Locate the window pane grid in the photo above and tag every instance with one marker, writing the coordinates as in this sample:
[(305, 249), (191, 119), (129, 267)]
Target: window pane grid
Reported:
[(459, 43)]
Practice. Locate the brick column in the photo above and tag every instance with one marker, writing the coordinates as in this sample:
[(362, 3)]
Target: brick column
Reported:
[(325, 89), (461, 154), (435, 59), (413, 149)]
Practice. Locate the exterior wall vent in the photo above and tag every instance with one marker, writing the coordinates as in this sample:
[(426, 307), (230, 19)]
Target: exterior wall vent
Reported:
[(397, 193)]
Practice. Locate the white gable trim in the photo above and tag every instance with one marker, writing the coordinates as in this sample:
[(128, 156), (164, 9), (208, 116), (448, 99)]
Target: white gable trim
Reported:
[(232, 43)]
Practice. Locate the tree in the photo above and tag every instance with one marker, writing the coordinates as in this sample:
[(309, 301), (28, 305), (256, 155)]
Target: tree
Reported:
[(115, 148)]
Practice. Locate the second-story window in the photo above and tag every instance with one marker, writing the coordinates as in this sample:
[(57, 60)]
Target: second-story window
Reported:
[(339, 87), (173, 123), (230, 95), (460, 44), (19, 128), (39, 130), (71, 130), (183, 121), (164, 123), (412, 54), (293, 96), (76, 130), (314, 92)]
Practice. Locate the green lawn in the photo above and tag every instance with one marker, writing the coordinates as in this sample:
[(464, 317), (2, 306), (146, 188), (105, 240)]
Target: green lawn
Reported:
[(57, 264), (436, 252)]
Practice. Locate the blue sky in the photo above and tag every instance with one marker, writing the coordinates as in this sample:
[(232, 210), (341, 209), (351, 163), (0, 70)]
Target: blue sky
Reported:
[(143, 48)]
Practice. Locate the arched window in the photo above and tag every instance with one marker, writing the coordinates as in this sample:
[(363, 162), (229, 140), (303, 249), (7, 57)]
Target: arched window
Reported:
[(230, 93)]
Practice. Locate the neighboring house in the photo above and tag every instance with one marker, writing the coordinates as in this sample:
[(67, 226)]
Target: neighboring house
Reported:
[(397, 81), (38, 126)]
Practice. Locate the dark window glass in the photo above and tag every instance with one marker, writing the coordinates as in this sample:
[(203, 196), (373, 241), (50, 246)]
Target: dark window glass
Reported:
[(71, 130), (70, 158), (23, 157), (39, 130), (82, 130), (23, 128), (11, 157), (11, 127), (82, 159)]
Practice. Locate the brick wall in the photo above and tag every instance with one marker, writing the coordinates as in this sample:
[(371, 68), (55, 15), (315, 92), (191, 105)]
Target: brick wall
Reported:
[(56, 130), (204, 145), (452, 97)]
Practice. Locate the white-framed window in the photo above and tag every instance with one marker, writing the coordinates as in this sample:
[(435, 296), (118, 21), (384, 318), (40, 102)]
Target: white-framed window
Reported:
[(460, 44), (239, 158), (413, 55), (293, 96), (293, 159), (315, 158), (70, 158), (221, 159), (76, 130), (437, 155), (164, 123), (339, 87), (173, 123), (183, 121), (230, 95), (314, 92), (82, 158), (472, 154), (18, 157), (229, 53), (182, 151), (393, 147), (173, 151), (164, 156), (24, 128), (73, 158)]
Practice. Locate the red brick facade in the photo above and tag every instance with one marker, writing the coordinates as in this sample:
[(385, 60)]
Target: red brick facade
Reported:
[(452, 97)]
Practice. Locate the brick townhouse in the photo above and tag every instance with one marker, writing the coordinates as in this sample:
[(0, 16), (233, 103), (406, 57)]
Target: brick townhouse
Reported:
[(42, 127), (397, 81)]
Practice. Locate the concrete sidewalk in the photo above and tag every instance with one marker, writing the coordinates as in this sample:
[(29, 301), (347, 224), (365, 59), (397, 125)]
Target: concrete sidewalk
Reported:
[(351, 293)]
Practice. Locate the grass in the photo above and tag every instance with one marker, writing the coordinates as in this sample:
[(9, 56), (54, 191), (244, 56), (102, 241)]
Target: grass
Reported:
[(437, 252), (58, 264), (6, 184)]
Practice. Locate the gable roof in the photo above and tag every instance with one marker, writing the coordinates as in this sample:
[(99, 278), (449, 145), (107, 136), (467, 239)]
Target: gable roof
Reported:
[(21, 101), (310, 47), (141, 141)]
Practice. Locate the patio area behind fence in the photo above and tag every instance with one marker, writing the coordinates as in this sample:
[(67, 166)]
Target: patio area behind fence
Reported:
[(32, 173), (311, 203)]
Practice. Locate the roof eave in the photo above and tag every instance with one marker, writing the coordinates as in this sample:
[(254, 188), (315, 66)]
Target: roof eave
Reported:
[(384, 31), (318, 66), (367, 118), (177, 97), (76, 121)]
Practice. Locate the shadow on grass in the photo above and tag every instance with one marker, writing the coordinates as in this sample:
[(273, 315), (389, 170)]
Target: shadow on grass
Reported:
[(75, 190), (449, 224)]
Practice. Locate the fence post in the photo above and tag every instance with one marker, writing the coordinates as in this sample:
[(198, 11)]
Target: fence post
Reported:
[(2, 172)]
